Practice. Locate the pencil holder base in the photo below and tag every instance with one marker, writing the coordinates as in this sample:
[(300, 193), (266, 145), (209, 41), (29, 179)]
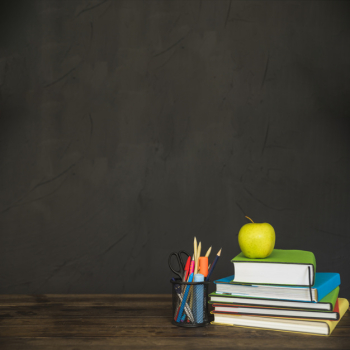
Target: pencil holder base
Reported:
[(190, 304), (189, 325)]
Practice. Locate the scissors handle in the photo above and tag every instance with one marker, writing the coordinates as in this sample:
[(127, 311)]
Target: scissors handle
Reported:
[(180, 271), (183, 263)]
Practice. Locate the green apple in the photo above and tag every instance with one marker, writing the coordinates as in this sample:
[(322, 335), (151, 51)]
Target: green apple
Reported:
[(256, 240)]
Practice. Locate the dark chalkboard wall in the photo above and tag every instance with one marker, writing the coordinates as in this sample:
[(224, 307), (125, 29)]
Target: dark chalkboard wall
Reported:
[(129, 127)]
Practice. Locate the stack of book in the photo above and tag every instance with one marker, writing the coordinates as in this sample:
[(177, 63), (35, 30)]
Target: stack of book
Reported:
[(281, 292)]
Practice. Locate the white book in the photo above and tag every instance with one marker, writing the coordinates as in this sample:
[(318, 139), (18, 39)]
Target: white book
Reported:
[(281, 267), (274, 312)]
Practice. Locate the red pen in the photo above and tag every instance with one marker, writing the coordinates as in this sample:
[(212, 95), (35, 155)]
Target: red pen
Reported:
[(192, 266), (186, 269)]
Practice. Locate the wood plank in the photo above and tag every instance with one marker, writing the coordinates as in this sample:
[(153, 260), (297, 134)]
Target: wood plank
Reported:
[(49, 311), (85, 305), (127, 330), (46, 311), (89, 321), (70, 309), (135, 321), (295, 341), (86, 299)]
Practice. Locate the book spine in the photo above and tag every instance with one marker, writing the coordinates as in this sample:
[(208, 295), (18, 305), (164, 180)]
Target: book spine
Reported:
[(327, 287)]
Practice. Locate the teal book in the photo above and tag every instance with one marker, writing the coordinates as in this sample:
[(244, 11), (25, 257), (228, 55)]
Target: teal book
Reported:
[(326, 286), (282, 267)]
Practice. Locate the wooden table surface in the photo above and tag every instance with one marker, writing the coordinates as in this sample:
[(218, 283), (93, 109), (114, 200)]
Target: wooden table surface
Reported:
[(132, 322)]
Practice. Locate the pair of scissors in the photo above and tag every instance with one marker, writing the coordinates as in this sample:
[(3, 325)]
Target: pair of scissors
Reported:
[(182, 267)]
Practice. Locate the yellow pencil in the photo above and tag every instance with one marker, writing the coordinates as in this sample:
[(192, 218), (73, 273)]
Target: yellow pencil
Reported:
[(195, 248), (208, 252)]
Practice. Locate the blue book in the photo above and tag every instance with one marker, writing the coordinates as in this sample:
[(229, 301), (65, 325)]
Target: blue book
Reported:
[(325, 282)]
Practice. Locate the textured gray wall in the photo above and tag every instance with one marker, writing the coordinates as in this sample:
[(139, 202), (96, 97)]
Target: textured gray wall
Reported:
[(129, 127)]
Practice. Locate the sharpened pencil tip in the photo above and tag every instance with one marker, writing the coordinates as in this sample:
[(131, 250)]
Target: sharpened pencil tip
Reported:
[(219, 252), (208, 252)]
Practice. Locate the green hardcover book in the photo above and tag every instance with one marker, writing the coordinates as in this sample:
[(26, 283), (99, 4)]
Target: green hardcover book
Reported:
[(229, 309), (325, 304), (286, 267)]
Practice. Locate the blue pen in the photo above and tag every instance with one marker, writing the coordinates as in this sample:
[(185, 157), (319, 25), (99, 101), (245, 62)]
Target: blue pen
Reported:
[(184, 300)]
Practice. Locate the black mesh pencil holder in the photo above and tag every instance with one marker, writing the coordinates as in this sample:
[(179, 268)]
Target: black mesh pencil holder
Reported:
[(190, 303)]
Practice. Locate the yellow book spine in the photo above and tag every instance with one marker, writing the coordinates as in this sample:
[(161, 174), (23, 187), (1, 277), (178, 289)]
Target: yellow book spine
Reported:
[(343, 306)]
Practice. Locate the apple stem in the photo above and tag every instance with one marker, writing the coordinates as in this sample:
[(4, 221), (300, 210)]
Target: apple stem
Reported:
[(250, 219)]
